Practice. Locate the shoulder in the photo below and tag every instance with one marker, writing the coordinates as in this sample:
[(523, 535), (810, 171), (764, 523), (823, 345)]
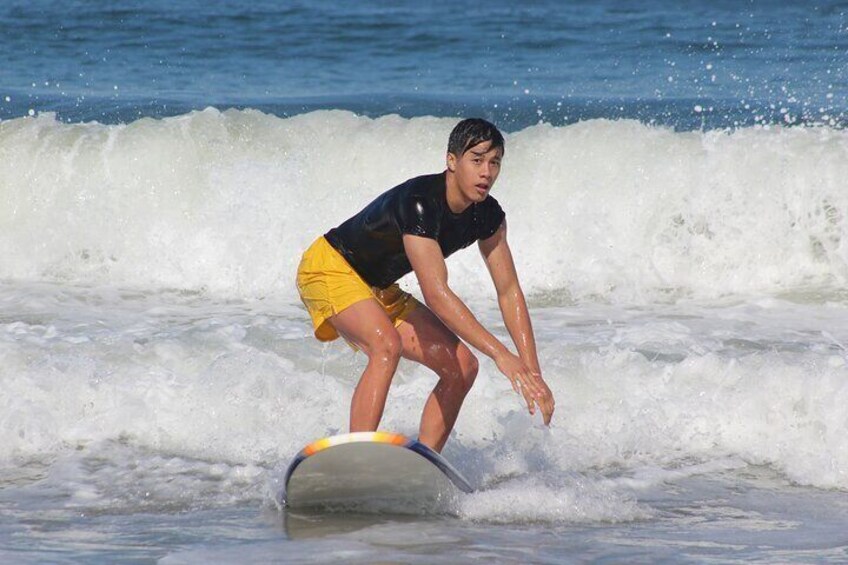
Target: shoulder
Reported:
[(422, 190), (490, 206), (417, 205), (489, 216), (422, 185)]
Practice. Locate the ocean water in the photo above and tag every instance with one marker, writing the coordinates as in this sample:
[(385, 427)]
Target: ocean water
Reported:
[(675, 185)]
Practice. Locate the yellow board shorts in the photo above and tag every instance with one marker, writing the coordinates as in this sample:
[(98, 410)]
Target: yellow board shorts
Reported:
[(328, 284)]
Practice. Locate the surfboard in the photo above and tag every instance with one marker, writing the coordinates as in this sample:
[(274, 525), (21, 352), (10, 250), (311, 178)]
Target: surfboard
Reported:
[(362, 468)]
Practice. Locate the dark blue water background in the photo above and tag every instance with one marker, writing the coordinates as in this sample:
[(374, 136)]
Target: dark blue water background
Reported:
[(688, 64)]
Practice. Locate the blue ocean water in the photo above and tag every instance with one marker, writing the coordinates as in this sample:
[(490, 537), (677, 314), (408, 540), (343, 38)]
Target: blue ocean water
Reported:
[(687, 64), (675, 185)]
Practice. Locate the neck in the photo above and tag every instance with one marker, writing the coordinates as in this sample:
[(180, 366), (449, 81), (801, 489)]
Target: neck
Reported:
[(456, 202)]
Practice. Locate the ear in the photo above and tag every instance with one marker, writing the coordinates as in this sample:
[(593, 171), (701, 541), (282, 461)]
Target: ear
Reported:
[(451, 162)]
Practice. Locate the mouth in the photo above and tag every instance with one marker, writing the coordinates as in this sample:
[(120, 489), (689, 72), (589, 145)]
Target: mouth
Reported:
[(482, 188)]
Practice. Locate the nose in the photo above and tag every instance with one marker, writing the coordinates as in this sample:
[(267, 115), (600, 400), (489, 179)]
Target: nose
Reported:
[(486, 171)]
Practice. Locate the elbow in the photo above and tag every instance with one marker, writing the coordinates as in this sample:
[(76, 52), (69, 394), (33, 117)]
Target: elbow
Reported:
[(510, 295), (436, 299)]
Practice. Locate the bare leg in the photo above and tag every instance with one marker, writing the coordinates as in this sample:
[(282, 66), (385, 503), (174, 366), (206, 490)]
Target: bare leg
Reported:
[(366, 325), (428, 341)]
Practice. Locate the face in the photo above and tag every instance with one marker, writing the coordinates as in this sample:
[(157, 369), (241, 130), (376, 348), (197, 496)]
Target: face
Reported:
[(476, 170)]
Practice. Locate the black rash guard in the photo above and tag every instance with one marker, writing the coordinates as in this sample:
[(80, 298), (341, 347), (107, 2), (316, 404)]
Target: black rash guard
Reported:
[(372, 240)]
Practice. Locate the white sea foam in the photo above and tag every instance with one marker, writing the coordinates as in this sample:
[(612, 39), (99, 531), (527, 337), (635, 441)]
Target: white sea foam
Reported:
[(220, 390), (562, 498), (148, 318), (227, 201)]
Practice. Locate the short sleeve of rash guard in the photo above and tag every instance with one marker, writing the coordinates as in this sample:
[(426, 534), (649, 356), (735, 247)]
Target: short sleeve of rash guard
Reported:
[(491, 218), (416, 216)]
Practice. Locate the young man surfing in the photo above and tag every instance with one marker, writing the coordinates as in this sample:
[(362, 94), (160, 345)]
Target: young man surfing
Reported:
[(347, 280)]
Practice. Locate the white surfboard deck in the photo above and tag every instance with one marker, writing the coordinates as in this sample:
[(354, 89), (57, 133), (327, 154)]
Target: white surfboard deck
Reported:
[(368, 467)]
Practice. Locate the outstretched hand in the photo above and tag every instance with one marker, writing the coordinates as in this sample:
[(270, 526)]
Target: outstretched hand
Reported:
[(528, 383)]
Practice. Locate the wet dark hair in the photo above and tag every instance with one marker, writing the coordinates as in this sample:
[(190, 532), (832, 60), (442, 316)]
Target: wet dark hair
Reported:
[(472, 131)]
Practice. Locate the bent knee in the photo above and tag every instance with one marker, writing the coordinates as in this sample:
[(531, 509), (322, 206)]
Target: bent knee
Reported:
[(468, 361), (468, 366), (387, 348)]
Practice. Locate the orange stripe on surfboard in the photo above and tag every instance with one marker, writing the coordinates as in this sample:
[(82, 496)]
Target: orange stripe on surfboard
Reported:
[(379, 437)]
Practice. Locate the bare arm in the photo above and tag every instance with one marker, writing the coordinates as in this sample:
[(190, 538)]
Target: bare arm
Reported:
[(513, 305), (427, 261), (429, 266)]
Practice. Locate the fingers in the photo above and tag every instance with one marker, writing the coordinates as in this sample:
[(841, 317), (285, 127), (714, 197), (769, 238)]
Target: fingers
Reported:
[(522, 390), (547, 407), (516, 385), (528, 398), (527, 389), (529, 384), (545, 400)]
